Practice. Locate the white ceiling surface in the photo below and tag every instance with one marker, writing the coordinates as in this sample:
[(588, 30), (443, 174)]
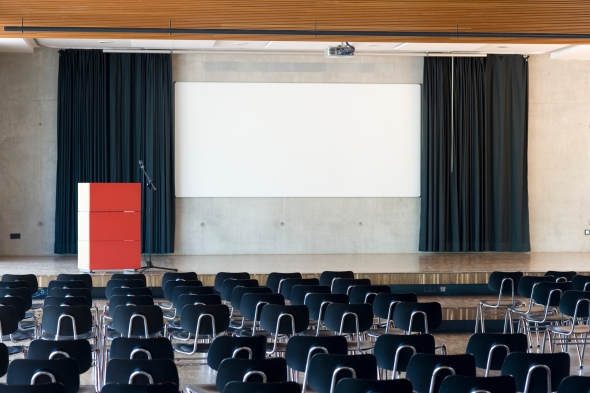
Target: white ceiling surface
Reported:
[(270, 46), (17, 45)]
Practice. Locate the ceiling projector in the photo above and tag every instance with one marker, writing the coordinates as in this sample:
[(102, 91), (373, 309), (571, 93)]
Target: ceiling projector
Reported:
[(342, 50)]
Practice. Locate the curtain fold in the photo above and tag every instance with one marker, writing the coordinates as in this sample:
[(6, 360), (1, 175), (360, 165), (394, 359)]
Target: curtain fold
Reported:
[(473, 180), (114, 110)]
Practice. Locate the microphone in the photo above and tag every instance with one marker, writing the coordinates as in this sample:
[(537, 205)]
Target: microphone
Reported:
[(141, 163)]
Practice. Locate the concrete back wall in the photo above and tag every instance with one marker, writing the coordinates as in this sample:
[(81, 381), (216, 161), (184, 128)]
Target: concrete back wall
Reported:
[(559, 163)]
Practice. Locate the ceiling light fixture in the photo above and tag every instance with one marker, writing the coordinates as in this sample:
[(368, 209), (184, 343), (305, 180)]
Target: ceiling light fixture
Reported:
[(267, 45), (105, 42), (503, 47), (373, 44), (400, 45), (240, 43)]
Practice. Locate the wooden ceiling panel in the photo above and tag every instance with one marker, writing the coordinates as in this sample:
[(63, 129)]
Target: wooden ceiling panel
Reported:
[(498, 16)]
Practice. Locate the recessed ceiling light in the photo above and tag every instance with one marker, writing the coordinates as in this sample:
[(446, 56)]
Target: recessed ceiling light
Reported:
[(400, 45), (373, 45), (240, 43), (503, 47), (105, 42)]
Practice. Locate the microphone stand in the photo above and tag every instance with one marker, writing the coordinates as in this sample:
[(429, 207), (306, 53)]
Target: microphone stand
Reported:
[(150, 186)]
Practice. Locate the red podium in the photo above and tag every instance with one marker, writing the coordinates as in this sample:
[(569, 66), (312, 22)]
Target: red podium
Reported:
[(109, 226)]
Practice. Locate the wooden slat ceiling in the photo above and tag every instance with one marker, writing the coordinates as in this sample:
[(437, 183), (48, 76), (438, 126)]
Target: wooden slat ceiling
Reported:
[(497, 16)]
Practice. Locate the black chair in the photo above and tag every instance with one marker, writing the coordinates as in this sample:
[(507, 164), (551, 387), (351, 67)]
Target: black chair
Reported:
[(328, 277), (238, 292), (490, 350), (574, 384), (117, 301), (126, 388), (366, 293), (317, 304), (172, 285), (179, 291), (417, 317), (72, 292), (65, 284), (504, 284), (283, 321), (345, 285), (65, 301), (326, 370), (23, 293), (40, 388), (141, 372), (139, 291), (229, 285), (561, 276), (299, 292), (300, 350), (225, 347), (3, 359), (384, 307), (580, 283), (533, 372), (84, 277), (351, 385), (289, 283), (111, 284), (274, 279), (178, 276), (79, 350), (257, 387), (32, 372), (186, 300), (269, 370), (251, 309), (346, 319), (526, 288), (9, 330), (462, 384), (14, 284), (222, 276), (30, 279), (427, 372), (67, 323), (135, 321), (393, 352), (125, 276), (26, 328)]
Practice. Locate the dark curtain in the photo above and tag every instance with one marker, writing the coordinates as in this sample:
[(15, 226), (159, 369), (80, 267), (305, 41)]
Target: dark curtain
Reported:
[(474, 174), (114, 110)]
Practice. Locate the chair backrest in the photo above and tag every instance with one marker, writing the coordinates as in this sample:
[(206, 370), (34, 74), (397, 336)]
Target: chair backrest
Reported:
[(179, 291), (137, 319), (178, 276), (160, 370), (66, 301), (556, 289), (273, 316), (79, 350), (568, 275), (125, 276), (111, 284), (299, 292), (8, 320), (199, 316), (258, 387), (481, 344), (425, 369), (238, 292), (41, 388), (167, 387), (388, 347), (511, 282), (344, 318), (289, 283), (139, 291), (253, 302), (3, 359), (17, 303), (31, 280), (327, 277), (314, 302), (225, 347), (326, 370), (130, 300), (23, 293), (574, 384), (300, 349), (78, 317), (141, 348), (222, 276), (64, 371), (76, 292), (185, 300), (569, 300), (84, 277), (384, 304), (580, 282), (274, 279), (229, 285), (518, 364), (351, 385), (15, 284), (66, 284), (343, 285), (171, 285), (526, 284), (235, 370), (366, 293), (462, 384), (402, 316)]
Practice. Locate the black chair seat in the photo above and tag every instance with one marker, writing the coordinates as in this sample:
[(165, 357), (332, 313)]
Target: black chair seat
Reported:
[(28, 324), (208, 388), (248, 333), (112, 334), (15, 349), (169, 314), (29, 314), (83, 336), (188, 347), (20, 335), (381, 331), (364, 345), (281, 347), (503, 303), (182, 335), (239, 324), (164, 304), (87, 389), (314, 333)]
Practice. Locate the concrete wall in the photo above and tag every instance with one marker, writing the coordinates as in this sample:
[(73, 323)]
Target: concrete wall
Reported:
[(296, 225), (28, 151)]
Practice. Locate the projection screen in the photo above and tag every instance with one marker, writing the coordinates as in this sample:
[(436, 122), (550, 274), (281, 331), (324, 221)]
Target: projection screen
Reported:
[(297, 140)]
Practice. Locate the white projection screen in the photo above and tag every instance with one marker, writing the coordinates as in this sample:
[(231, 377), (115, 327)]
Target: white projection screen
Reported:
[(297, 140)]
